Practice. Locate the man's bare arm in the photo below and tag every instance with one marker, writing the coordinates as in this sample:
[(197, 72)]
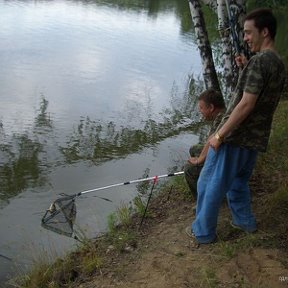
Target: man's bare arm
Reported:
[(238, 115)]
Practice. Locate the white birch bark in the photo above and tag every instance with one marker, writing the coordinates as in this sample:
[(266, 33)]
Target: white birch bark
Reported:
[(209, 72), (227, 61), (230, 71)]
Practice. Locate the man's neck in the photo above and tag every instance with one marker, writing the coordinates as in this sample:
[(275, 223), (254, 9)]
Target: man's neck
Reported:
[(217, 111), (268, 45)]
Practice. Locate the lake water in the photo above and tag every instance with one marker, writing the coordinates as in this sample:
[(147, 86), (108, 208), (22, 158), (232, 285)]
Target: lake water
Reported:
[(91, 93)]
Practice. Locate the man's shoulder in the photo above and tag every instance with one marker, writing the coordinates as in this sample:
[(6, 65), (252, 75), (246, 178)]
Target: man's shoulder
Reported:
[(264, 67), (269, 58)]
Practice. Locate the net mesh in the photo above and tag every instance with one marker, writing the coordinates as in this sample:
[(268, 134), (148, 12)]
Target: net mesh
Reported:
[(61, 216)]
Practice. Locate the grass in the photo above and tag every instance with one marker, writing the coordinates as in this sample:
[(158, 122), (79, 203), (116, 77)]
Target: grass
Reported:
[(124, 213), (140, 206), (85, 261), (210, 278), (272, 170), (229, 249), (121, 233)]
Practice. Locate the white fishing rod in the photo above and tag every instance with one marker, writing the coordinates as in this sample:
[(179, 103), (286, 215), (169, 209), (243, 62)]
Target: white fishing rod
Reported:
[(130, 182)]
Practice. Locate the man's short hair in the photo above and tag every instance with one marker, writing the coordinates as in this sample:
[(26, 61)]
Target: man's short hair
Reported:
[(263, 18), (211, 96)]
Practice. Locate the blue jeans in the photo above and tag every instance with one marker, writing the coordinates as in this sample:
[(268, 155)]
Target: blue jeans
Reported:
[(225, 172)]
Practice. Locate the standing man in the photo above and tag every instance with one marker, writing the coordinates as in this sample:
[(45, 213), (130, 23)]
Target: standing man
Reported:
[(243, 132)]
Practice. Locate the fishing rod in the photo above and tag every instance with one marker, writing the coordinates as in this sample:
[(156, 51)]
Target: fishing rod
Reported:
[(60, 216), (234, 34), (240, 49), (130, 182)]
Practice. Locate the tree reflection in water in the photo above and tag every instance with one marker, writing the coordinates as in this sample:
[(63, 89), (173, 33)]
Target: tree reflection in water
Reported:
[(24, 162)]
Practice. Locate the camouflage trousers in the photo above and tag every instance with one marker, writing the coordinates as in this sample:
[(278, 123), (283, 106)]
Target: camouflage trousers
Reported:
[(192, 172)]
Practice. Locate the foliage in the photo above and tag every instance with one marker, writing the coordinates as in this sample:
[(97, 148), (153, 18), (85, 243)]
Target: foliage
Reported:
[(124, 213), (120, 233), (272, 173), (139, 206), (112, 222), (275, 161), (122, 239), (270, 3), (211, 24), (179, 184), (85, 261)]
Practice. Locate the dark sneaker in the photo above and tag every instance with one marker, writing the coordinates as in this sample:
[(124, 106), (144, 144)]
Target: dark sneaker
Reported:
[(191, 235), (189, 232), (193, 241), (194, 209), (242, 228)]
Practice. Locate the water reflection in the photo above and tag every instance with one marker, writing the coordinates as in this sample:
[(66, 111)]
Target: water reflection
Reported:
[(23, 157), (97, 141), (152, 7), (91, 93), (22, 169), (43, 121), (21, 165)]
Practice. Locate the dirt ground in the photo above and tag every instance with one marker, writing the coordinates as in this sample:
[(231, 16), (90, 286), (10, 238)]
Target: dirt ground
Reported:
[(164, 256)]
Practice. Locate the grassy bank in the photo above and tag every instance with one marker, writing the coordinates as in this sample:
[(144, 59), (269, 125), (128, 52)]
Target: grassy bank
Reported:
[(272, 175), (125, 244)]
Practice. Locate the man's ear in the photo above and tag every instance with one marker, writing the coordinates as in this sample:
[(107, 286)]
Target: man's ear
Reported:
[(212, 107), (265, 32)]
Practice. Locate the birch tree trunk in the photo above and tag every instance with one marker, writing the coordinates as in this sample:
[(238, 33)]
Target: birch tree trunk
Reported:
[(230, 71), (209, 71), (227, 61)]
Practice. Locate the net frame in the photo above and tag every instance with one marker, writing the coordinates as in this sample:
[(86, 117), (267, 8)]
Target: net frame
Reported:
[(61, 215)]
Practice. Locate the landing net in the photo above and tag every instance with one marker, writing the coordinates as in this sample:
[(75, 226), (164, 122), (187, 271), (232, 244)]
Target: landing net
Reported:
[(61, 216)]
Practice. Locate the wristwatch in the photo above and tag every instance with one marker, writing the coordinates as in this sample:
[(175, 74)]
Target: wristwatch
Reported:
[(218, 137)]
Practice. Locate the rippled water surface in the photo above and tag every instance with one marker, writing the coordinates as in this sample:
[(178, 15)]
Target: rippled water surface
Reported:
[(91, 93)]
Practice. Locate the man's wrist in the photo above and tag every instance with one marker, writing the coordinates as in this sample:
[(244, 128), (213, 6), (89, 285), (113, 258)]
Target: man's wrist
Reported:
[(219, 137)]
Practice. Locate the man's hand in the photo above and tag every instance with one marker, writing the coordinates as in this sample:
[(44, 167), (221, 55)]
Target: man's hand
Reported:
[(215, 143), (241, 60), (193, 160)]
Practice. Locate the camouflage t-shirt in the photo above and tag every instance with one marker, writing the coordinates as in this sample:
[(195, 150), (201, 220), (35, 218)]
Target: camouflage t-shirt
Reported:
[(216, 123), (211, 127), (263, 76)]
